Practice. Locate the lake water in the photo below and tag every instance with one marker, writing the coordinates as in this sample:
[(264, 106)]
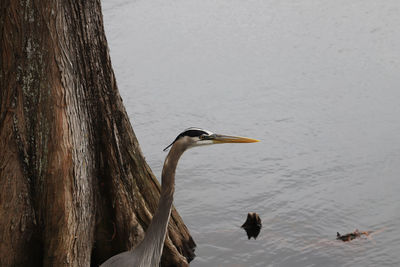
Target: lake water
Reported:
[(317, 81)]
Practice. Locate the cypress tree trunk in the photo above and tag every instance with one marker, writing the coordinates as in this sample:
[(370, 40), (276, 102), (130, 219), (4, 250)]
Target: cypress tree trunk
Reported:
[(74, 186)]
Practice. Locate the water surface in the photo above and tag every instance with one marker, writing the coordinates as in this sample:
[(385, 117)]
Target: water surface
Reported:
[(317, 81)]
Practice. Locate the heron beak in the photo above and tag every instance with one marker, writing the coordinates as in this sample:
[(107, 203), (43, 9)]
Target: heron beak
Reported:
[(220, 139)]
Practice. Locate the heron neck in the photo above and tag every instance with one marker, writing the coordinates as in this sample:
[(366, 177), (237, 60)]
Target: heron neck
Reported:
[(157, 229)]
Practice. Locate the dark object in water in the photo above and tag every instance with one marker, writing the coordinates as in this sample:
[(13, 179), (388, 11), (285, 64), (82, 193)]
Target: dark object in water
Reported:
[(351, 236), (252, 225)]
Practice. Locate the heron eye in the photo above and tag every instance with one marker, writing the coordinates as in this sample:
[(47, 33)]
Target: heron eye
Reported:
[(204, 137)]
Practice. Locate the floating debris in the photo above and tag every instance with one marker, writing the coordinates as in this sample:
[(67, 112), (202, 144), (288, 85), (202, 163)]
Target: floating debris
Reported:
[(351, 236), (252, 226)]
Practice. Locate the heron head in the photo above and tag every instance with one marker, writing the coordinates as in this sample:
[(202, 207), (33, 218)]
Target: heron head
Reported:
[(192, 137)]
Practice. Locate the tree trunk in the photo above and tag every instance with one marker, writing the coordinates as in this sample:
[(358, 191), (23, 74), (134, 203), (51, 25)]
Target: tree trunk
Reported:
[(74, 186)]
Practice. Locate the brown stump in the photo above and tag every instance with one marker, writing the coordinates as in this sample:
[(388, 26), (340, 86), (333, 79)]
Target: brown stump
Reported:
[(253, 225)]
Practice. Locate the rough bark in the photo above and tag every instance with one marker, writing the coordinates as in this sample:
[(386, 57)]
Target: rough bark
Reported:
[(74, 186)]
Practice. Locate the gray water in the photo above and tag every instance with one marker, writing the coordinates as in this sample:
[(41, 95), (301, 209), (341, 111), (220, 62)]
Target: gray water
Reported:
[(316, 81)]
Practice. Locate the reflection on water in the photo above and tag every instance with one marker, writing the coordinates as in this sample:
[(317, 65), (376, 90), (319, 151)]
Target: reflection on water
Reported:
[(316, 81)]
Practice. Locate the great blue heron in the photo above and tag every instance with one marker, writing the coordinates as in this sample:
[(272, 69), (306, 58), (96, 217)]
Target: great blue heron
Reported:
[(148, 252)]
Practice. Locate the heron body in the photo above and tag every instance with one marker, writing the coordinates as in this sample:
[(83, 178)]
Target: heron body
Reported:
[(148, 252)]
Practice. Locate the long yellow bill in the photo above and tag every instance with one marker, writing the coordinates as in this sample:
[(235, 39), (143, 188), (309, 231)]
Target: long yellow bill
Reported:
[(219, 138)]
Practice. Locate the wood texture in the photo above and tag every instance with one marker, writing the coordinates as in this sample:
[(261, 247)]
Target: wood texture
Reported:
[(74, 186)]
